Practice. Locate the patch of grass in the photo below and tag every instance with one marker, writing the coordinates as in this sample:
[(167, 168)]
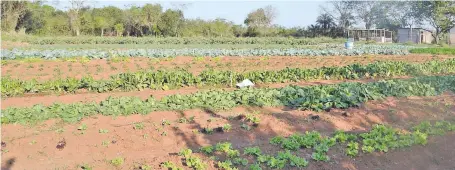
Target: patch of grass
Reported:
[(434, 50)]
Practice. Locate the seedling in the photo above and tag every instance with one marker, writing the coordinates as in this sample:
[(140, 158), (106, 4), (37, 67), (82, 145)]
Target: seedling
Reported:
[(143, 167), (82, 127), (60, 130), (105, 143), (245, 126), (32, 142), (320, 156), (253, 119), (117, 161), (103, 131), (254, 151), (227, 127), (170, 165), (145, 136), (86, 167), (138, 126), (352, 149), (165, 122), (207, 130), (207, 150)]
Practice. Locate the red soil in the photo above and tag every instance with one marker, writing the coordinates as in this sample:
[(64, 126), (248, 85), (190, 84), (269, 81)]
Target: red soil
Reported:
[(35, 147)]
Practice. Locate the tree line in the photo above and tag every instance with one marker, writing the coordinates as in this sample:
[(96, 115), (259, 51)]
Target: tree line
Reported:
[(152, 20)]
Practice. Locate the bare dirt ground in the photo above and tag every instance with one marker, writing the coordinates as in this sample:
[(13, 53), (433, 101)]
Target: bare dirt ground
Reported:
[(34, 147), (11, 44), (42, 70)]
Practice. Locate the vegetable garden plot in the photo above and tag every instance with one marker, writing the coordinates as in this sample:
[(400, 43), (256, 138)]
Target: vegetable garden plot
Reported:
[(171, 40), (166, 79), (166, 133), (157, 53), (318, 98)]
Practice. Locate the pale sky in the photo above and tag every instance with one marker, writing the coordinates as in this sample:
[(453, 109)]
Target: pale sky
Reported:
[(289, 13)]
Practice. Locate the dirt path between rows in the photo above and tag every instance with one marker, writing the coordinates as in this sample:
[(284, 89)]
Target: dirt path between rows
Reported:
[(35, 147)]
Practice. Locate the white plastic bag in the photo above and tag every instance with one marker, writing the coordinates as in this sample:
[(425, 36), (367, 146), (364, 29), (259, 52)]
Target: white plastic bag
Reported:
[(245, 83)]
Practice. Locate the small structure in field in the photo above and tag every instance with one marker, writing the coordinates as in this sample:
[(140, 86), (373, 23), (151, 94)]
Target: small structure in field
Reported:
[(415, 35), (378, 35), (452, 36)]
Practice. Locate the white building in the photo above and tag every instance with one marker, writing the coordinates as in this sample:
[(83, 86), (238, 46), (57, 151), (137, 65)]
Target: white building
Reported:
[(452, 36), (415, 35)]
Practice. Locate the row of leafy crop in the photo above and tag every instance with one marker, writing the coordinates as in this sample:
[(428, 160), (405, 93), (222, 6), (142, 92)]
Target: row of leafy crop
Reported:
[(380, 138), (172, 40), (156, 53), (321, 97), (171, 79), (434, 50)]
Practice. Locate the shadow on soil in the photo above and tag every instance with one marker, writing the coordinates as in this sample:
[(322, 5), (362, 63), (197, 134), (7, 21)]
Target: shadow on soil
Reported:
[(8, 164), (398, 112)]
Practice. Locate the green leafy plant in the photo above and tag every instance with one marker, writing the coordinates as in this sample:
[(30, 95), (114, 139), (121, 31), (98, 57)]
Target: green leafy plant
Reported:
[(170, 165), (320, 97), (223, 147), (139, 126), (245, 126), (233, 153), (165, 122), (117, 161), (226, 165), (240, 161), (352, 149), (207, 150), (82, 127), (320, 156), (255, 167), (253, 151), (227, 127), (277, 140)]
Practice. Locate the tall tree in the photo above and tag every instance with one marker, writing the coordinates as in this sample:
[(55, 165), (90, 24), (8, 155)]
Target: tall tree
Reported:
[(101, 24), (260, 20), (112, 16), (134, 21), (439, 14), (152, 14), (73, 15), (170, 22), (342, 12), (12, 11), (368, 12), (119, 29)]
